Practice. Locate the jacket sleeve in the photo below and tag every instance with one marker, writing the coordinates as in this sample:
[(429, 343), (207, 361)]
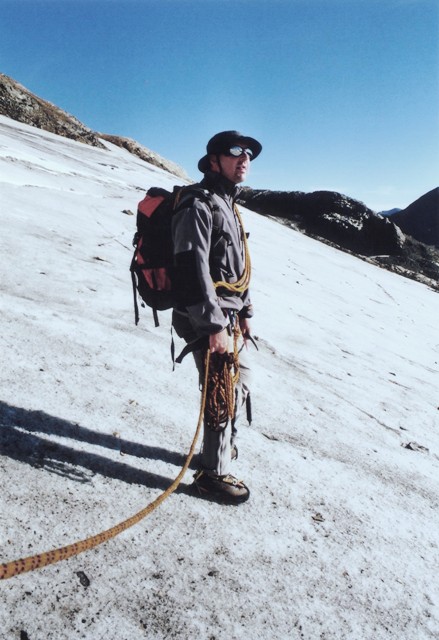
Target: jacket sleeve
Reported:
[(192, 231), (247, 309)]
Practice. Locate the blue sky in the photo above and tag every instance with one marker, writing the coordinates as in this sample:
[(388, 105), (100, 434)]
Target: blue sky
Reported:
[(343, 94)]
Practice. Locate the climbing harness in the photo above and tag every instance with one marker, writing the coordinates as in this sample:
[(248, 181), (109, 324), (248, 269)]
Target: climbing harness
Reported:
[(218, 384)]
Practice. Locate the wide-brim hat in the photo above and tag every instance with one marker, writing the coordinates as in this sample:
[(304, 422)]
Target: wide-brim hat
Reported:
[(222, 141)]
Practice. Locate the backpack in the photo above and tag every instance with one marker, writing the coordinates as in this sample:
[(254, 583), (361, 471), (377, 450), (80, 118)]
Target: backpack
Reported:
[(152, 266)]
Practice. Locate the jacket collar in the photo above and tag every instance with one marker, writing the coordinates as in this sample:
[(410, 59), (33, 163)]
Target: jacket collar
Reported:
[(220, 184)]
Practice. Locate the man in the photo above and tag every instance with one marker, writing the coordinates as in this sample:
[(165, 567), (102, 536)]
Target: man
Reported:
[(210, 247)]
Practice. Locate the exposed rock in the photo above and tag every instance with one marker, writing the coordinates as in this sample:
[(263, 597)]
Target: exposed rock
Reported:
[(421, 218), (145, 154), (349, 225), (331, 216), (20, 104), (417, 261)]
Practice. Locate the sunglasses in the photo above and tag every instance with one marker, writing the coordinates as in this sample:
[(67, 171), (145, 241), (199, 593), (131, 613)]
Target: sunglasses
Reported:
[(238, 151)]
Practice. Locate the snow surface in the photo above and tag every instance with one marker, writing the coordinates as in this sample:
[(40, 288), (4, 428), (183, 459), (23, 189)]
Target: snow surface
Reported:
[(340, 536)]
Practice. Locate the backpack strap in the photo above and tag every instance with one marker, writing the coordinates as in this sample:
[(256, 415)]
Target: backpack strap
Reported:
[(199, 343), (156, 192), (187, 194), (136, 306)]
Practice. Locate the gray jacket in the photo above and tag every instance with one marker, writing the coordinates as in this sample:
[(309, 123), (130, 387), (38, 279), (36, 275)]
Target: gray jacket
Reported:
[(208, 247)]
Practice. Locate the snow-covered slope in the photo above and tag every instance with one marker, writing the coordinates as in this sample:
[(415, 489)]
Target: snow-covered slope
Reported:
[(340, 536)]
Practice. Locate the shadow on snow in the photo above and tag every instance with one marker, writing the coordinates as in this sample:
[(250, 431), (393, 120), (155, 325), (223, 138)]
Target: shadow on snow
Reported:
[(19, 440)]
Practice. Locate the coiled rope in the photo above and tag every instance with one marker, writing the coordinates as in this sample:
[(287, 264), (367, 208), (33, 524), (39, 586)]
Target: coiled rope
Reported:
[(221, 381), (221, 389)]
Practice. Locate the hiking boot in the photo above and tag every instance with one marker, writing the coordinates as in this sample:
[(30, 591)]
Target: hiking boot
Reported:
[(222, 488)]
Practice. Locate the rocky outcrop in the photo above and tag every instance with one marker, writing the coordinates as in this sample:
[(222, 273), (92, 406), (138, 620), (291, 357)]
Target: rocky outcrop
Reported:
[(421, 218), (20, 104), (331, 216), (145, 154), (349, 225), (417, 261)]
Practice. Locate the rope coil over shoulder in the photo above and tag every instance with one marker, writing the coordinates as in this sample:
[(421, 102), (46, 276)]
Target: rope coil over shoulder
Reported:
[(244, 281)]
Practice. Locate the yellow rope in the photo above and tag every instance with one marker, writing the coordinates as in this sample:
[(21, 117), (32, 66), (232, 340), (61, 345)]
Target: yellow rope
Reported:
[(244, 281), (40, 560), (222, 378)]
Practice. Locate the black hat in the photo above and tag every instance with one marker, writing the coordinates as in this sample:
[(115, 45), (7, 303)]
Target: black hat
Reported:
[(223, 141)]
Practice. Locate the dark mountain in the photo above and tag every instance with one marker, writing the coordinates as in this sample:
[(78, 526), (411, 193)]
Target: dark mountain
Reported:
[(351, 226), (20, 104), (332, 216), (421, 218)]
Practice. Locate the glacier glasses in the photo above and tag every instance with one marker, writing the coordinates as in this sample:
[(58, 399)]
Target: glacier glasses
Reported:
[(237, 151)]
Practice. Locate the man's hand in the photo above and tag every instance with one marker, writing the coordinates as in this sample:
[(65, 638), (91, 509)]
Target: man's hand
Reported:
[(244, 325), (219, 342)]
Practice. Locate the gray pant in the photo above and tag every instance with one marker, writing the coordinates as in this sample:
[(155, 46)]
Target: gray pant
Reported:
[(216, 449)]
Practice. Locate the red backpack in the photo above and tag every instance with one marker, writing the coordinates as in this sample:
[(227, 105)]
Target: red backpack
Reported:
[(152, 266)]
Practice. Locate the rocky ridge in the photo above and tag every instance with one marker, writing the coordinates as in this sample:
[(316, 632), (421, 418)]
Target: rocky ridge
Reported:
[(20, 104), (145, 154), (351, 226)]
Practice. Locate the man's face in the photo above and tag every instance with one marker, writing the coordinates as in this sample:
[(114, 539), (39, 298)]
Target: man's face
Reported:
[(235, 169)]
